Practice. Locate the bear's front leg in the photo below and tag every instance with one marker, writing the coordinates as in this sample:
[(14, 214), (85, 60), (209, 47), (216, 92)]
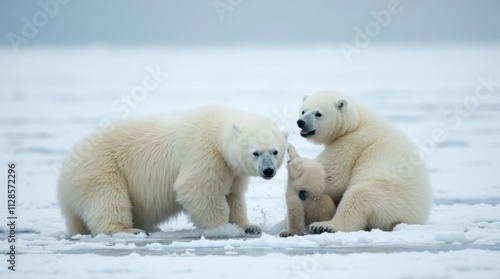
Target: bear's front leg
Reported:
[(237, 206), (295, 215), (204, 203)]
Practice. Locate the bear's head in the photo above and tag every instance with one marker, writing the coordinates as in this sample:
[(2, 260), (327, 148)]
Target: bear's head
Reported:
[(326, 116), (306, 177), (256, 148)]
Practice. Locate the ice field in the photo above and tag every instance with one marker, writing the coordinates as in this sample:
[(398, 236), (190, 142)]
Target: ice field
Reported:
[(52, 97)]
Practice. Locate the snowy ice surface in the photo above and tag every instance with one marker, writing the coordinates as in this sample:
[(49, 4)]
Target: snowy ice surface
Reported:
[(51, 97)]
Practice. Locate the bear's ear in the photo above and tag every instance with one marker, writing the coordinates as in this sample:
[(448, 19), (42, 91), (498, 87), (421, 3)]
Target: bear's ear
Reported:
[(304, 98), (237, 129), (341, 104)]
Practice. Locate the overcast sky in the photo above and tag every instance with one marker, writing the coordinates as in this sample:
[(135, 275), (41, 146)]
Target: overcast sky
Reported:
[(246, 21)]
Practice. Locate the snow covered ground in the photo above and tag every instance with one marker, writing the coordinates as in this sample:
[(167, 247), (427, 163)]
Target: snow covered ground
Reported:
[(51, 97)]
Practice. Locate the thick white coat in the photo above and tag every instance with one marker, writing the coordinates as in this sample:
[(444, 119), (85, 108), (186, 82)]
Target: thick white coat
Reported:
[(312, 205), (368, 162), (135, 175)]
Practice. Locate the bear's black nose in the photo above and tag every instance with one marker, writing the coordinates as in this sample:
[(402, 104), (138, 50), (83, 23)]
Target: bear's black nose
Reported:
[(300, 123), (268, 172), (303, 195)]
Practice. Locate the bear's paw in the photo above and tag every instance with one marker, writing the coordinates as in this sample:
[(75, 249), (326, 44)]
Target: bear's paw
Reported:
[(291, 232), (321, 227), (252, 229)]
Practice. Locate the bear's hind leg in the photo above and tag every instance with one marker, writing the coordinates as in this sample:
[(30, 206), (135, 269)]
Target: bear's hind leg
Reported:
[(202, 197), (353, 212), (75, 224), (108, 209)]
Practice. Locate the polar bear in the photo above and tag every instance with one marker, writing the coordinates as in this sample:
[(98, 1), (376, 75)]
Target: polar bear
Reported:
[(137, 174), (367, 163), (305, 197)]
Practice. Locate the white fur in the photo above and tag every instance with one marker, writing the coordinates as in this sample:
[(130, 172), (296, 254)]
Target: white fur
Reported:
[(308, 176), (366, 160), (138, 174)]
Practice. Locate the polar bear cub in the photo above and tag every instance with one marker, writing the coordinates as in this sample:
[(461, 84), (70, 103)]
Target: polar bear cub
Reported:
[(305, 197), (138, 174), (372, 174)]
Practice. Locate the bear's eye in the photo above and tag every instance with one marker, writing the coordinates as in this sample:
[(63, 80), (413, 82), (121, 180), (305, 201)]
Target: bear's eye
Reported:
[(318, 114), (303, 112), (275, 152), (256, 154)]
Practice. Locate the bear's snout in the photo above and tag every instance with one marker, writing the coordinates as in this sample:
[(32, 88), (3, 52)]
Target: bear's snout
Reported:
[(268, 173), (305, 123), (303, 195)]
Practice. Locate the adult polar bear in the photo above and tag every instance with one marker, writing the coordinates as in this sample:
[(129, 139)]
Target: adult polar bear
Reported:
[(366, 160), (140, 173)]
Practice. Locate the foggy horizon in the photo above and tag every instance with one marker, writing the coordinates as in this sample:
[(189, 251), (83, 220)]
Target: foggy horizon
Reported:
[(153, 22)]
